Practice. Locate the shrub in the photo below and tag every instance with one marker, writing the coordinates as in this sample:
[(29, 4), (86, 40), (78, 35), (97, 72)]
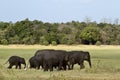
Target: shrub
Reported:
[(54, 43), (70, 42), (4, 42), (45, 43), (98, 43), (115, 42)]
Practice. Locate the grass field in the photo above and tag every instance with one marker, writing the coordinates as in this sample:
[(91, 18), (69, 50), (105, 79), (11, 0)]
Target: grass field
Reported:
[(105, 63)]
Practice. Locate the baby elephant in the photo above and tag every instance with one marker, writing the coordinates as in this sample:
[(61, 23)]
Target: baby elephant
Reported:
[(17, 61)]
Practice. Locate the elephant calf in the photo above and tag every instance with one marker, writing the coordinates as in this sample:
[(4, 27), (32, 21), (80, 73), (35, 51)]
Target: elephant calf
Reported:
[(79, 57), (17, 61)]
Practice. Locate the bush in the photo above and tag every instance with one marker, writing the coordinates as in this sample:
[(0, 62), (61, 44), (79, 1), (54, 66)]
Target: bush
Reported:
[(98, 43), (54, 43), (70, 42), (4, 42), (45, 43), (114, 43)]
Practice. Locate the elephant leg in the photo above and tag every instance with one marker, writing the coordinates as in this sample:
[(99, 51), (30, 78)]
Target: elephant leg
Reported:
[(16, 67), (51, 68), (82, 66), (60, 66), (30, 66), (39, 66), (45, 67), (19, 66), (64, 67), (10, 66), (36, 66), (72, 62), (72, 66), (68, 67), (42, 66)]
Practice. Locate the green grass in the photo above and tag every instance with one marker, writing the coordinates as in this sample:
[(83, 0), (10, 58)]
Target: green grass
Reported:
[(105, 66)]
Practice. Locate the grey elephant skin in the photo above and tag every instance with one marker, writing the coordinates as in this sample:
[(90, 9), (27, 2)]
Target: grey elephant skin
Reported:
[(78, 57), (34, 63), (50, 59), (16, 61)]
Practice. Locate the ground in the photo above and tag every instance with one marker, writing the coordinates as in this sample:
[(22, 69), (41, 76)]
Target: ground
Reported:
[(105, 63)]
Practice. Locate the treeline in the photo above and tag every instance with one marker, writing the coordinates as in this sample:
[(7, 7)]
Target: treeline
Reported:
[(74, 32)]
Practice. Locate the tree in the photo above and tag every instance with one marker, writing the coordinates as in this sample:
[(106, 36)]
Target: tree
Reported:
[(116, 21), (108, 34), (4, 42), (90, 35), (87, 19), (14, 40), (74, 32)]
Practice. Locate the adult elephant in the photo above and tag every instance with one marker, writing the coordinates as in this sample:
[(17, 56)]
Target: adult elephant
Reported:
[(39, 57), (52, 58), (34, 63), (17, 61), (78, 57), (39, 52)]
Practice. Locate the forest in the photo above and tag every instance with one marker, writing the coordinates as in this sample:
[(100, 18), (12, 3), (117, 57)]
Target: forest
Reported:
[(44, 33)]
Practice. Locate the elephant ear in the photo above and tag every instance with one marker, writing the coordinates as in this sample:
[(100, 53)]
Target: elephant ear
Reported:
[(86, 55), (66, 57), (22, 60)]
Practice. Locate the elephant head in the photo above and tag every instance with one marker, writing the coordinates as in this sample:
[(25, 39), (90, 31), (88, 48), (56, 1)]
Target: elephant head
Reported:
[(22, 61), (87, 58)]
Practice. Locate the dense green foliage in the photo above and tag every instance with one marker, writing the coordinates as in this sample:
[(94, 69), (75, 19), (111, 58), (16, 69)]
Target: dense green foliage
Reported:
[(38, 32)]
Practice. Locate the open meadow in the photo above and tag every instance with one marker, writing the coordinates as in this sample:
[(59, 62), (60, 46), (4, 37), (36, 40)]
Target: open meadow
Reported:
[(105, 63)]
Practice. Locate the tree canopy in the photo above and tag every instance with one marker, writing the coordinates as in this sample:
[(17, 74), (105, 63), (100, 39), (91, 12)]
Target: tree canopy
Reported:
[(74, 32)]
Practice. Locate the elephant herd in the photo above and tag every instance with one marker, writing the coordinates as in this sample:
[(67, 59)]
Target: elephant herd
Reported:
[(49, 59)]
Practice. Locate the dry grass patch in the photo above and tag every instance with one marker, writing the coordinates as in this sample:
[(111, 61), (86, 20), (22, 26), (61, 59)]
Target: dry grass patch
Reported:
[(105, 63), (63, 47)]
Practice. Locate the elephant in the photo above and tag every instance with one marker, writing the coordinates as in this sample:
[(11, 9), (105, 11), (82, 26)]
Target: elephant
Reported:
[(33, 62), (52, 58), (78, 57), (38, 52), (17, 61), (36, 62)]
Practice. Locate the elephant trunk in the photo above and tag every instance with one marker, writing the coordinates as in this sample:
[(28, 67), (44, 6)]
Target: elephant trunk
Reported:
[(89, 61), (24, 65)]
